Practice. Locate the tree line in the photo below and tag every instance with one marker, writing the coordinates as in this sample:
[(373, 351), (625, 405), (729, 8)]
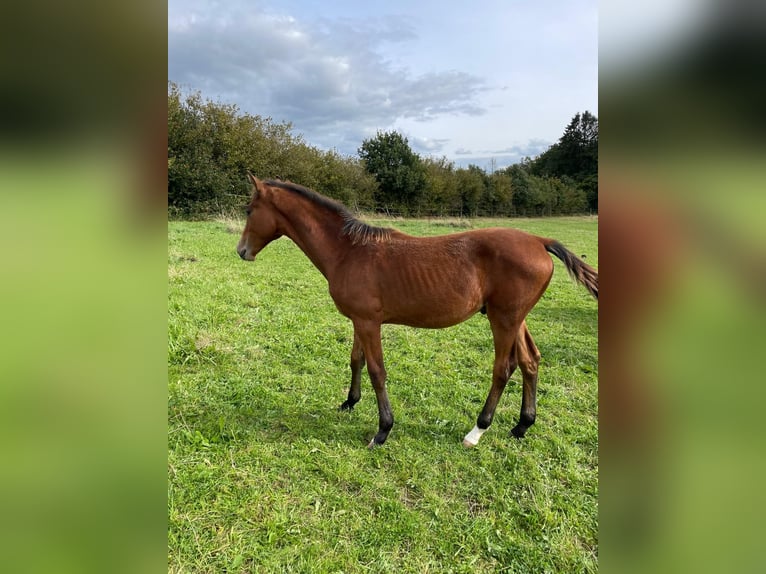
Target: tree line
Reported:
[(211, 145)]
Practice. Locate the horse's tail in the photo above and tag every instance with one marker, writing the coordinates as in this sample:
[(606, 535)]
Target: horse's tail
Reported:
[(580, 271)]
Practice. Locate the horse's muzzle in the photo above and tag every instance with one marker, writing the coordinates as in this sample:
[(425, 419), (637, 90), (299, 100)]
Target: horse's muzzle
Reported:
[(243, 253)]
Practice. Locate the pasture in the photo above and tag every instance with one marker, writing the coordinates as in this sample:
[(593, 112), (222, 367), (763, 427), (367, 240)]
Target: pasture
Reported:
[(266, 475)]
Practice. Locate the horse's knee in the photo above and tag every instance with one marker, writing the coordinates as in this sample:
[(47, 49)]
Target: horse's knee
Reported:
[(377, 373), (530, 368), (526, 352), (502, 370), (356, 364), (357, 355), (528, 359)]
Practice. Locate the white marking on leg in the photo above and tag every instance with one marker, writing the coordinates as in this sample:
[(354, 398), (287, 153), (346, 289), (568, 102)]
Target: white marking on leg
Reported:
[(472, 438)]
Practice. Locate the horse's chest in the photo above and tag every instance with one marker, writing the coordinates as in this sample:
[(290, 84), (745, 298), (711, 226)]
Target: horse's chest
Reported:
[(355, 296)]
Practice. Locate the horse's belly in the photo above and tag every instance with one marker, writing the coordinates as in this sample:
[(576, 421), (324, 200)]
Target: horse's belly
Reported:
[(430, 296), (431, 315), (429, 322), (441, 300)]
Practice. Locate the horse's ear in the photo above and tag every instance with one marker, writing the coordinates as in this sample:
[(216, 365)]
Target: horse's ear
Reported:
[(254, 181)]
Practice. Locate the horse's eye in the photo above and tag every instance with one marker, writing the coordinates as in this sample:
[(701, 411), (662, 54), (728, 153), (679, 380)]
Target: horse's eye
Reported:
[(248, 211)]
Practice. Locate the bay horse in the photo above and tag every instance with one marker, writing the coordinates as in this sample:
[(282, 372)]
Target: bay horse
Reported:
[(378, 275)]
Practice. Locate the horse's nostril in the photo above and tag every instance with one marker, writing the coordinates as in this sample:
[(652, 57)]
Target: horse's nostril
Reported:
[(242, 252)]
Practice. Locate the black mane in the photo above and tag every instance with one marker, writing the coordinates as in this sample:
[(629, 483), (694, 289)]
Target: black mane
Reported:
[(358, 231)]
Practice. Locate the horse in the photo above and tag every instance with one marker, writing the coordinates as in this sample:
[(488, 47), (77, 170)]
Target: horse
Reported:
[(378, 275)]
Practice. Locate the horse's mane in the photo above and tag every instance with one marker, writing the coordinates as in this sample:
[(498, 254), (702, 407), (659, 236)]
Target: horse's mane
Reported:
[(358, 231)]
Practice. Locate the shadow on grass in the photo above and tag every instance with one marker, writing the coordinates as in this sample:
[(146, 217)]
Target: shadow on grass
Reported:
[(280, 421), (578, 315), (280, 424)]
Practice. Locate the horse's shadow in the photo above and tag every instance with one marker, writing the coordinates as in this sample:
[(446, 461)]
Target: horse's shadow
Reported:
[(279, 420)]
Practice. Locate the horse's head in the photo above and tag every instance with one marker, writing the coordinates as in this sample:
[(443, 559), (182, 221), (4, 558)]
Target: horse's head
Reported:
[(261, 225)]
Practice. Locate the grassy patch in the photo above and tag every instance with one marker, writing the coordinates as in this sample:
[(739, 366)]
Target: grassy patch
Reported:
[(265, 475)]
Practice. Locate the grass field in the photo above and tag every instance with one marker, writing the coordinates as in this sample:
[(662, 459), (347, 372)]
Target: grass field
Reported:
[(265, 475)]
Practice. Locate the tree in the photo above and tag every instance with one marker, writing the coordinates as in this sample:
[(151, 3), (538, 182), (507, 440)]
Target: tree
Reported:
[(195, 183), (574, 156), (442, 196), (211, 146), (398, 170), (471, 185), (521, 200), (345, 179), (497, 194)]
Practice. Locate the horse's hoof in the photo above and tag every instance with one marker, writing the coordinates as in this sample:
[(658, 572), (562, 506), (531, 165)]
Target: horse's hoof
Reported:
[(377, 440), (518, 431), (346, 407), (472, 438)]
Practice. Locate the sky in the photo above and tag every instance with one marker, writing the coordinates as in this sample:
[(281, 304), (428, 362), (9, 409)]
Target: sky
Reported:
[(486, 82)]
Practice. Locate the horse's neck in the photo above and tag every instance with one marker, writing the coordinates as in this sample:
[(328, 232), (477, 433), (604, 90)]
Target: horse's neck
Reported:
[(317, 234)]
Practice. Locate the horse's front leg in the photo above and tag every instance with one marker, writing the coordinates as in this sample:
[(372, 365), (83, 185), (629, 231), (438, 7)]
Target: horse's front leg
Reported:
[(357, 362), (368, 333)]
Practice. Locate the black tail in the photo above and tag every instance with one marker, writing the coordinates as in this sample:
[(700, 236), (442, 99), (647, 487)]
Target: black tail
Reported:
[(580, 271)]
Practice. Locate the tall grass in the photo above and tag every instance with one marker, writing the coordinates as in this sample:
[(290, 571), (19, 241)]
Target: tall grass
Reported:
[(265, 475)]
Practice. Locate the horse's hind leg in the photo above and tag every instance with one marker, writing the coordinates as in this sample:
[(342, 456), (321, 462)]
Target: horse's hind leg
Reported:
[(528, 358), (504, 335), (357, 363)]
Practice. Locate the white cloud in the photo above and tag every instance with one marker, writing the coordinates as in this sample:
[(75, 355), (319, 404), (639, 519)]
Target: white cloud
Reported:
[(501, 157), (532, 148), (465, 81), (427, 145), (325, 77)]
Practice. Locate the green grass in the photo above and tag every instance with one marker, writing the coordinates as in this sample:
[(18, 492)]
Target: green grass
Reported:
[(265, 475)]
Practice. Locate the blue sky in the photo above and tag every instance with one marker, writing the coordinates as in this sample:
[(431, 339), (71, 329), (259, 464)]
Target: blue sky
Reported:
[(472, 81)]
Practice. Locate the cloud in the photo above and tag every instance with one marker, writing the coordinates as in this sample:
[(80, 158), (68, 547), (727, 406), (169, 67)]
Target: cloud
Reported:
[(428, 145), (501, 157), (328, 77), (532, 148)]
